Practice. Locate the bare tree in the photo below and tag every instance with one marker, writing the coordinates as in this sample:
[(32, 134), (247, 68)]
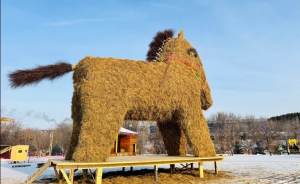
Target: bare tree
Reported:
[(226, 133), (10, 133), (62, 135)]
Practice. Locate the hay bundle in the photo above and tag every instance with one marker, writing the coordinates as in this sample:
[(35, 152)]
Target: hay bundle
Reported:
[(172, 91)]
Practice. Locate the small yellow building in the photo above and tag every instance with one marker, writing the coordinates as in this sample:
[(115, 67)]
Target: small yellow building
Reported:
[(17, 153)]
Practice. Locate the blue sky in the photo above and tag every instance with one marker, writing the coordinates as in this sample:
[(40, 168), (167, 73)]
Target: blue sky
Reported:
[(250, 49)]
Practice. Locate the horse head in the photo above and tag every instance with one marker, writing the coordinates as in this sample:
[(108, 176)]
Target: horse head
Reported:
[(169, 49)]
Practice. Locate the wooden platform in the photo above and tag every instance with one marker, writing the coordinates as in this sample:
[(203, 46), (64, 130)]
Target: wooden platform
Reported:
[(60, 166)]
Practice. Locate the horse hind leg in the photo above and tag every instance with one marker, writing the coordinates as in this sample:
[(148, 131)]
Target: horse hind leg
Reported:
[(77, 117), (98, 131)]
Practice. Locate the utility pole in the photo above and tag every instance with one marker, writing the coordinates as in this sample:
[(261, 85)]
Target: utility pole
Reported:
[(51, 141), (50, 132)]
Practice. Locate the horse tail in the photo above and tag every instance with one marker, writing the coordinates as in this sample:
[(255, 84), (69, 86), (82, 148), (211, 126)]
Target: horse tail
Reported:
[(20, 78)]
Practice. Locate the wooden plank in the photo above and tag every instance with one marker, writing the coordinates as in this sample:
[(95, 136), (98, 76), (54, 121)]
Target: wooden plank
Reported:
[(38, 173), (65, 176), (201, 170), (130, 161), (99, 172), (5, 149), (108, 164)]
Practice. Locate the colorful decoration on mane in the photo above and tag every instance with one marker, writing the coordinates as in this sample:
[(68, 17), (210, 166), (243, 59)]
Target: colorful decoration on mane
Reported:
[(162, 49)]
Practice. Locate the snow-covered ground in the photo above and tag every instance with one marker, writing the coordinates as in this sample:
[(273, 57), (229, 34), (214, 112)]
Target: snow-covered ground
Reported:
[(259, 169), (245, 168), (17, 175)]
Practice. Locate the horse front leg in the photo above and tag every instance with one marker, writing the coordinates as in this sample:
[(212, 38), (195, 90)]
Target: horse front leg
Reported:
[(196, 130)]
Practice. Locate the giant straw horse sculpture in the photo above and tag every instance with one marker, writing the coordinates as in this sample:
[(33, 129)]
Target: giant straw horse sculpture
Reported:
[(170, 88)]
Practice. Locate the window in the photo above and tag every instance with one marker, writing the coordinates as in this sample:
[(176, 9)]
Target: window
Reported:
[(19, 151)]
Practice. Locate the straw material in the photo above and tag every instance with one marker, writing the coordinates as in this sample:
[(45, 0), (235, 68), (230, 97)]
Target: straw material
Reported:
[(171, 91)]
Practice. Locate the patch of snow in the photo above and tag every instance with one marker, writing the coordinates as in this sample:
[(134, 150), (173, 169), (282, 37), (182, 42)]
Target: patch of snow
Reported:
[(12, 176), (126, 131), (18, 175)]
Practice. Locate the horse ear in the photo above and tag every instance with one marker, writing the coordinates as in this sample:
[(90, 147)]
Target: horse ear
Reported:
[(181, 35)]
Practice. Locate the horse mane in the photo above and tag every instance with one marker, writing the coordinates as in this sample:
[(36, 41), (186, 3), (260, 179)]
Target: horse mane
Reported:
[(157, 43)]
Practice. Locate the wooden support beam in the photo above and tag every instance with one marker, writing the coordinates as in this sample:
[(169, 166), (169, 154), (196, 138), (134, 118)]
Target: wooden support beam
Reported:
[(192, 166), (216, 167), (172, 168), (56, 172), (156, 172), (201, 169), (60, 179), (65, 176), (38, 173), (71, 175), (116, 146), (99, 172)]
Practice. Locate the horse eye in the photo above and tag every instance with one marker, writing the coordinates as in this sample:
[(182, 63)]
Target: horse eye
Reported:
[(192, 52)]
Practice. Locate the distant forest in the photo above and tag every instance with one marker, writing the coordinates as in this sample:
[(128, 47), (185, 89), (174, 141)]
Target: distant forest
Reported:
[(286, 117)]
